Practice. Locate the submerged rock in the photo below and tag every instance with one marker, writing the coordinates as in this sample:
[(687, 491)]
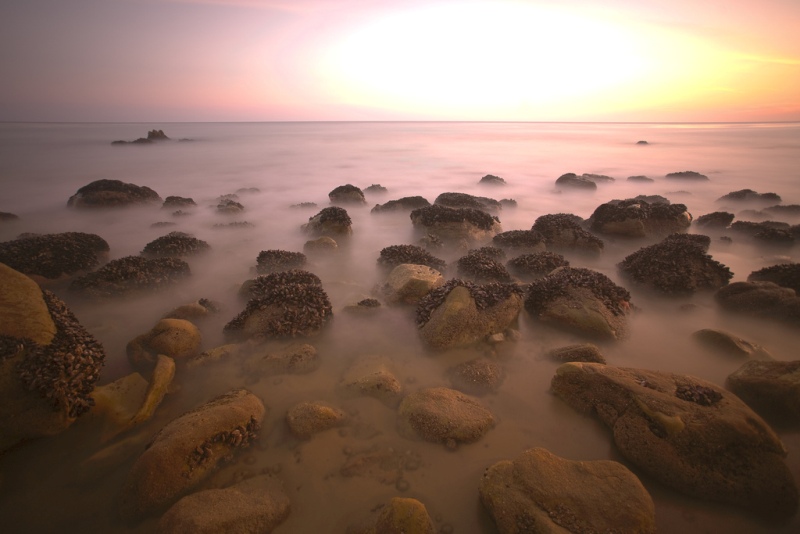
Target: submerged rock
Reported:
[(529, 267), (229, 206), (347, 194), (153, 136), (175, 245), (400, 515), (464, 200), (730, 345), (687, 175), (716, 220), (574, 182), (52, 256), (6, 217), (309, 418), (376, 188), (173, 202), (563, 233), (541, 492), (331, 222), (320, 246), (764, 300), (112, 194), (477, 377), (748, 195), (639, 218), (520, 241), (640, 179), (456, 224), (771, 388), (395, 255), (784, 274), (405, 203), (130, 275), (292, 359), (274, 261), (584, 352), (177, 338), (686, 433), (491, 179), (372, 376)]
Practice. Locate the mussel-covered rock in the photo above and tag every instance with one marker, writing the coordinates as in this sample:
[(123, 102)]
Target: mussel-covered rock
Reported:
[(461, 313), (748, 195), (571, 181), (751, 228), (112, 194), (131, 275), (173, 202), (678, 265), (784, 274), (347, 194), (52, 256), (262, 285), (229, 206), (187, 450), (598, 178), (401, 204), (553, 494), (582, 301), (408, 283), (443, 415), (274, 261), (491, 179), (771, 388), (687, 175), (687, 433), (375, 189), (562, 232), (332, 222), (481, 266), (529, 267), (175, 245), (394, 255), (520, 241), (456, 224), (716, 220), (464, 200), (790, 211), (49, 363), (765, 300), (639, 178), (639, 218)]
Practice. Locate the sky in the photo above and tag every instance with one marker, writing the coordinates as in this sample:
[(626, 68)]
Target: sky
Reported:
[(464, 60)]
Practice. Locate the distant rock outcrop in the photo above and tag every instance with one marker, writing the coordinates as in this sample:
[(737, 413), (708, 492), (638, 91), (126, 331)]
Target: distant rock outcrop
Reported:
[(687, 175), (153, 136), (112, 194)]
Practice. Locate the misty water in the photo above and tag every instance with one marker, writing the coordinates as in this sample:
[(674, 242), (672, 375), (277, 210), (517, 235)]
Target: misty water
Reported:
[(44, 489)]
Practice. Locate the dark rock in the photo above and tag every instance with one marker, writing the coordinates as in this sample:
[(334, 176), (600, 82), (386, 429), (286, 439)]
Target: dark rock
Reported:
[(229, 206), (687, 175), (331, 222), (770, 388), (562, 232), (787, 210), (653, 199), (405, 203), (8, 217), (639, 218), (175, 245), (469, 224), (750, 228), (248, 190), (233, 225), (640, 178), (575, 182), (304, 205), (508, 203), (463, 200), (481, 267), (730, 345), (443, 415), (274, 261), (54, 255), (491, 179), (130, 275), (785, 275), (764, 300), (520, 241), (375, 189), (178, 202), (152, 137), (686, 433), (598, 178), (748, 195), (678, 265), (584, 352), (716, 220), (642, 142), (112, 194), (477, 377), (262, 285), (532, 266), (347, 194), (394, 255)]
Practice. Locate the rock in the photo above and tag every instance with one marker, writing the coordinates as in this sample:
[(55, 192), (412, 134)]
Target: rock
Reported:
[(598, 178), (784, 274), (49, 363), (748, 195), (483, 267), (541, 492), (173, 202), (717, 220), (112, 194), (321, 245), (562, 233), (405, 203), (491, 179), (477, 377), (464, 200), (640, 179), (678, 265), (765, 300), (408, 283), (304, 205), (228, 206), (639, 218), (529, 267), (129, 276), (686, 433), (194, 311), (175, 245), (284, 359), (376, 189), (177, 338), (791, 211), (469, 225), (730, 345), (52, 256), (273, 261), (187, 450), (363, 306), (750, 228), (582, 301), (256, 505), (347, 194), (687, 175), (461, 313), (571, 181), (309, 418), (508, 203), (218, 354), (331, 222), (442, 415), (520, 241), (262, 285), (642, 142), (584, 352), (6, 217), (770, 388), (372, 376), (398, 516), (395, 255)]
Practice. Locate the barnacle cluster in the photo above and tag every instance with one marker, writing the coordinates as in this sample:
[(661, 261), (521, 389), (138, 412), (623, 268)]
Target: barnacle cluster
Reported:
[(702, 395), (347, 193), (405, 203), (485, 295), (131, 274), (52, 255), (240, 436), (565, 230), (175, 244), (543, 291), (262, 285), (437, 214), (334, 215), (394, 255), (463, 200), (536, 265), (482, 265), (273, 261), (518, 239)]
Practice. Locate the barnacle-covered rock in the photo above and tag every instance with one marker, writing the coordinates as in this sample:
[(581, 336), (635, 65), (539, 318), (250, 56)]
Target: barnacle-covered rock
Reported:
[(52, 256), (347, 194), (571, 181), (563, 232), (408, 283), (784, 274), (528, 267), (678, 265), (405, 203), (718, 220), (639, 218), (229, 206), (187, 450), (175, 245), (686, 433), (131, 275), (771, 388), (520, 241), (112, 194), (482, 267), (177, 338), (173, 202), (461, 313), (309, 418), (582, 301), (687, 175), (332, 222), (375, 189), (454, 224), (748, 195), (49, 363), (262, 285), (491, 179), (274, 261), (464, 200), (553, 494), (394, 255), (765, 300)]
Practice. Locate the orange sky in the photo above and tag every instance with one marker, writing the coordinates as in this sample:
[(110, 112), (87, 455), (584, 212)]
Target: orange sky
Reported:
[(255, 60)]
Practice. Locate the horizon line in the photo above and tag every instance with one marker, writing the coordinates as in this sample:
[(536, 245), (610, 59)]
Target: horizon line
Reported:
[(394, 121)]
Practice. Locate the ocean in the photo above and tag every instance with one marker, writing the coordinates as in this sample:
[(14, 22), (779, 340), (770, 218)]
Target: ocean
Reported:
[(43, 487)]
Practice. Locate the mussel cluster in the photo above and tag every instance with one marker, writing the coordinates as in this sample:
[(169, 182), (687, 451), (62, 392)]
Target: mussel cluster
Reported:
[(482, 265), (174, 245), (52, 255), (394, 255), (536, 265), (485, 295), (273, 261), (437, 214), (130, 274), (262, 285), (557, 284)]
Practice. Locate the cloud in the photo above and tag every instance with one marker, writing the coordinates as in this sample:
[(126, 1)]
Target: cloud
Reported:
[(770, 60)]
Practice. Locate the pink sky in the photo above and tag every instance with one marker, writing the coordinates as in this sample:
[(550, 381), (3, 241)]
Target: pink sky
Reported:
[(261, 60)]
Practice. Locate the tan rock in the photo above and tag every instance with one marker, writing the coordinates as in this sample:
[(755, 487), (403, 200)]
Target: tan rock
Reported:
[(372, 376), (23, 312), (407, 283), (309, 418), (177, 338), (398, 516)]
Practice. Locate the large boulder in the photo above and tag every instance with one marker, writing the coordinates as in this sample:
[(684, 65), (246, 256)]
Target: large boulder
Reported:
[(771, 388), (408, 283), (112, 194), (177, 338), (332, 222), (678, 265), (255, 505), (464, 200), (563, 233), (639, 218), (582, 301), (49, 363), (175, 245), (443, 415), (687, 433), (729, 344), (765, 300), (541, 492), (468, 225), (402, 204), (130, 275), (187, 450), (347, 194), (571, 181), (52, 256), (461, 313)]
